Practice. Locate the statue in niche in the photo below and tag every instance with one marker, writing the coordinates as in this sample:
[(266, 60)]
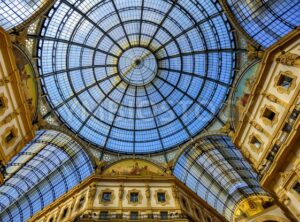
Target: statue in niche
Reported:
[(121, 192), (148, 192)]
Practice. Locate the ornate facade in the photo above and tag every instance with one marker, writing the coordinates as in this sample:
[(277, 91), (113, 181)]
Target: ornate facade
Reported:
[(129, 190), (16, 128), (267, 132)]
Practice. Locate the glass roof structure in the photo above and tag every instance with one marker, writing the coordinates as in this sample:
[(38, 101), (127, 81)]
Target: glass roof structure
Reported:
[(138, 76), (216, 171), (266, 21), (44, 170), (15, 12)]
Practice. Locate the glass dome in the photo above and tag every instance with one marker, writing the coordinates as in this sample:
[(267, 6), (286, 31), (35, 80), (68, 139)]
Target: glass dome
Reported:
[(138, 76)]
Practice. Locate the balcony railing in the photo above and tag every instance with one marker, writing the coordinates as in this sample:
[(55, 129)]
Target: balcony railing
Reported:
[(96, 216)]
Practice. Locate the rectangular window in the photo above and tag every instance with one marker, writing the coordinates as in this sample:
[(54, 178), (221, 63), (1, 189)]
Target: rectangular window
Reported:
[(81, 202), (104, 215), (287, 127), (163, 215), (269, 114), (150, 216), (65, 212), (134, 197), (197, 212), (2, 104), (9, 136), (285, 81), (134, 215), (119, 216), (106, 196), (161, 197), (255, 142), (297, 187)]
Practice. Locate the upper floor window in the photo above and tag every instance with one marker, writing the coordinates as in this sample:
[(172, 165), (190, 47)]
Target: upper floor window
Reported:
[(197, 212), (269, 114), (81, 202), (297, 187), (285, 81), (106, 197), (2, 103), (9, 136), (161, 197), (208, 219), (65, 212), (255, 142), (134, 197)]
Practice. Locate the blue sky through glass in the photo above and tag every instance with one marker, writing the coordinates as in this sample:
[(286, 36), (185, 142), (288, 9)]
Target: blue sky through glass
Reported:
[(82, 44)]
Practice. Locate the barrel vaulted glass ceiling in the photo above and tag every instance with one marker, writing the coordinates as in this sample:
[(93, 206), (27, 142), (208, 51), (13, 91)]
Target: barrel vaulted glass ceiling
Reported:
[(44, 170), (136, 76), (15, 12), (266, 21), (216, 171)]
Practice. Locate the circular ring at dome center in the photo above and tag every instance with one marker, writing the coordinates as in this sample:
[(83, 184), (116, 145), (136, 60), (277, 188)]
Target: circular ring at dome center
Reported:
[(137, 66)]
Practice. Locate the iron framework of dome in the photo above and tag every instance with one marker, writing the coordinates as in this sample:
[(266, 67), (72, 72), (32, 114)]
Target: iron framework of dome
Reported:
[(16, 12), (137, 76), (266, 21)]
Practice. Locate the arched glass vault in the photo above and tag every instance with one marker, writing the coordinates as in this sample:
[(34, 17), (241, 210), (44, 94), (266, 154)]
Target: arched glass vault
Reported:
[(137, 76), (266, 21), (16, 12), (44, 170), (216, 171)]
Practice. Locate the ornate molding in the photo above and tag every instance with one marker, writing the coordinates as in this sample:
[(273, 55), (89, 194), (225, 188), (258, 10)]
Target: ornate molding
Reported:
[(285, 177), (273, 98), (92, 194), (289, 59), (256, 126), (9, 118), (5, 80)]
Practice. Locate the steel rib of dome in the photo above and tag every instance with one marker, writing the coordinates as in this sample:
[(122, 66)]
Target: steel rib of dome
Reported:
[(138, 76)]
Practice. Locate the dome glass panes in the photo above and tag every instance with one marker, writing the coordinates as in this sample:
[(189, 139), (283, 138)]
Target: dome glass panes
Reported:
[(15, 12), (136, 76)]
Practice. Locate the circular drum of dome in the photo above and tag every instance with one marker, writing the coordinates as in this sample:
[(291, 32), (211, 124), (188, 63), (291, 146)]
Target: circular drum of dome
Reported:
[(138, 76)]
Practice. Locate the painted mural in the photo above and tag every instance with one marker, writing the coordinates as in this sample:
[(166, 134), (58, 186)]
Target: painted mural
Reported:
[(27, 75), (243, 91), (133, 168)]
